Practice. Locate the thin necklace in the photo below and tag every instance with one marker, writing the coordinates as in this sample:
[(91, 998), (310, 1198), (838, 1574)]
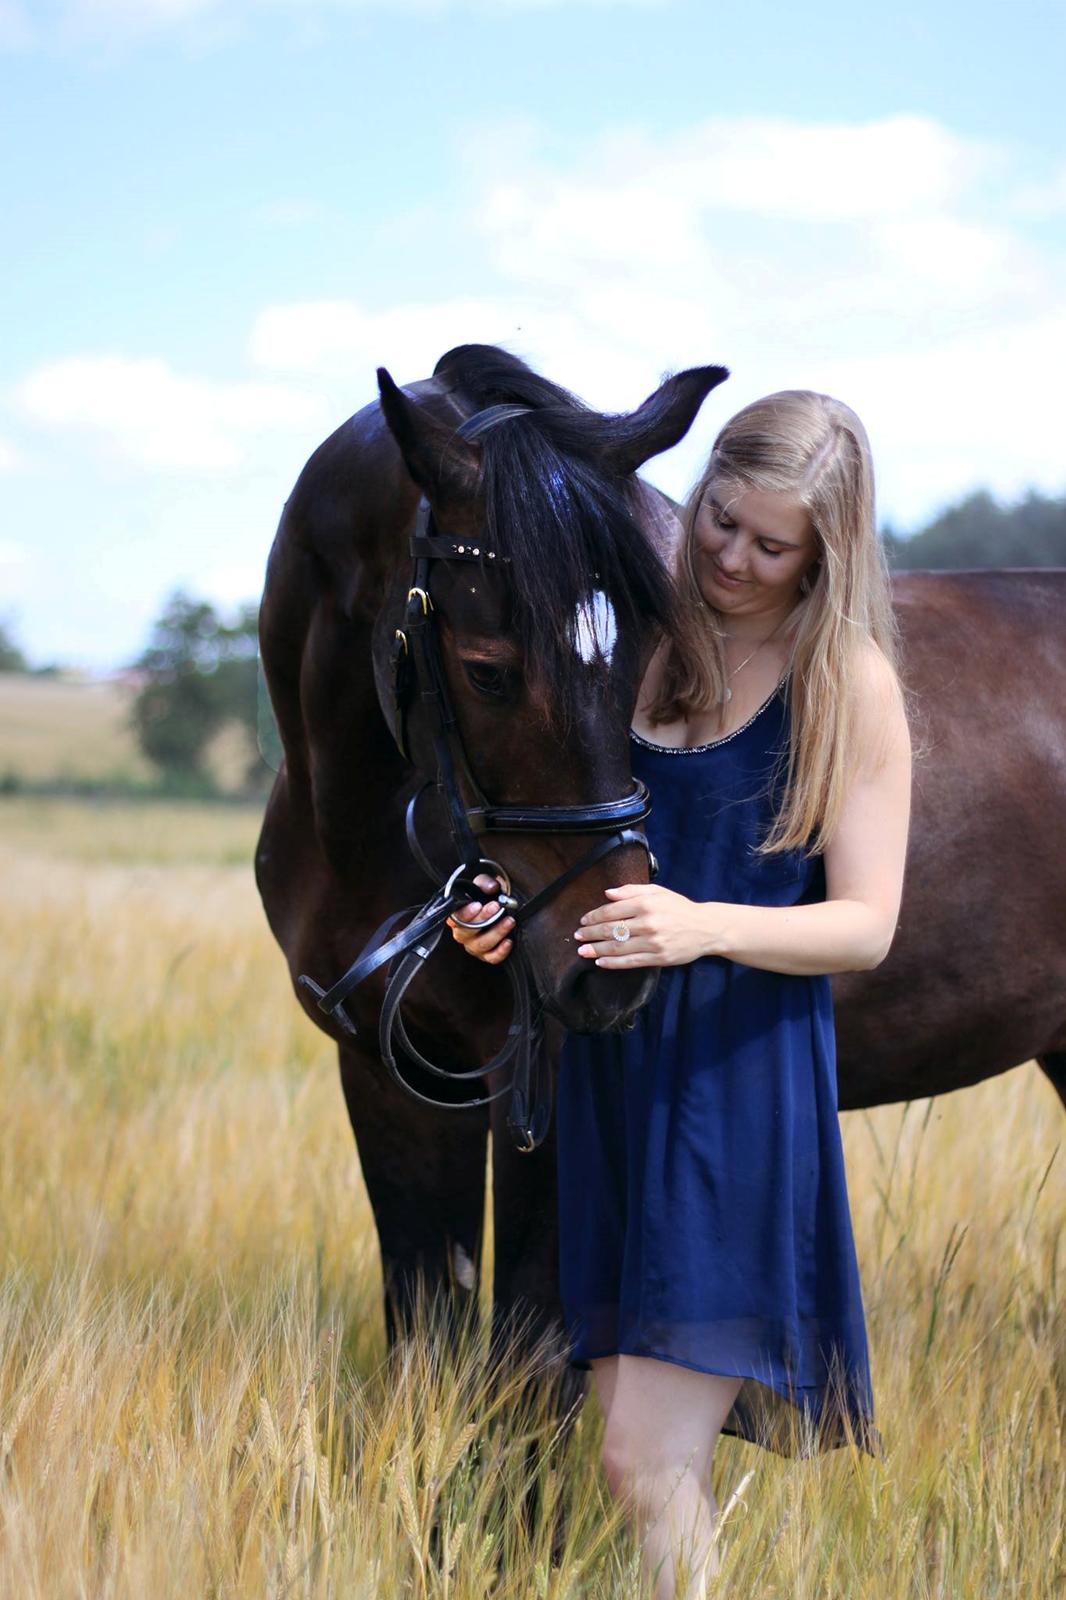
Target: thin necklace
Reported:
[(727, 692)]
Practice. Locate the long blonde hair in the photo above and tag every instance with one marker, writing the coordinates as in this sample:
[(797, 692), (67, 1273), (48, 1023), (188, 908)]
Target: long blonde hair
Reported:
[(806, 444)]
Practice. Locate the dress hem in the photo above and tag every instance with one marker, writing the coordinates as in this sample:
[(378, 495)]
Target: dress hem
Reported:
[(866, 1437)]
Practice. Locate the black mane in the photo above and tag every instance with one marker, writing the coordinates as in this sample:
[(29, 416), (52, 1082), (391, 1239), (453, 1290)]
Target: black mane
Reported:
[(565, 521)]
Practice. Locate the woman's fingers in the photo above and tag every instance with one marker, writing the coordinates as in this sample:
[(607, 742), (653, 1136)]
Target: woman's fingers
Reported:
[(600, 935), (480, 942), (604, 917), (492, 945), (501, 952), (464, 919)]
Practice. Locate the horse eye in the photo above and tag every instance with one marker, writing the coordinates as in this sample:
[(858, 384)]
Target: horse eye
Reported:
[(487, 679)]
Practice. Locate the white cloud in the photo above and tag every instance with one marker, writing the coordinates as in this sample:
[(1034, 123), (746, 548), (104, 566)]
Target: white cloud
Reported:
[(147, 412), (339, 337), (985, 409), (941, 326), (10, 458), (858, 259), (738, 212), (232, 584), (341, 343)]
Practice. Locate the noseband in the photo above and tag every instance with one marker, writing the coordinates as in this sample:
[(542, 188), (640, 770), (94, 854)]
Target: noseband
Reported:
[(418, 674)]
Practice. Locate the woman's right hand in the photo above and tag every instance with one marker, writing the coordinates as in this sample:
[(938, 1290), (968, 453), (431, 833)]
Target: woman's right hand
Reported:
[(493, 945)]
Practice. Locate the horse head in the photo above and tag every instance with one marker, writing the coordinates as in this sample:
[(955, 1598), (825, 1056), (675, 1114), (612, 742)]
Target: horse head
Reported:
[(548, 591)]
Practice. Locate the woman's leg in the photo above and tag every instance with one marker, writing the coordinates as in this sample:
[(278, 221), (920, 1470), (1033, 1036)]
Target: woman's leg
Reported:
[(662, 1424)]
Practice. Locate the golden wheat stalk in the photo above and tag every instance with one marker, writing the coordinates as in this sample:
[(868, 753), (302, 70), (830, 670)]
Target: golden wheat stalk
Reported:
[(408, 1514), (452, 1545), (457, 1451), (268, 1430)]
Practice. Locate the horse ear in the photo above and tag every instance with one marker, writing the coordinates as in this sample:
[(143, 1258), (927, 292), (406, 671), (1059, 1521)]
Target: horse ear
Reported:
[(441, 461), (663, 419)]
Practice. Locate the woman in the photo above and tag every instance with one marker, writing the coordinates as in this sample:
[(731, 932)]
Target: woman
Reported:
[(707, 1263)]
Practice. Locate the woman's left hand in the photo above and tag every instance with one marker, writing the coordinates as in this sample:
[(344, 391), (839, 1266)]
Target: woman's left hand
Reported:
[(666, 929)]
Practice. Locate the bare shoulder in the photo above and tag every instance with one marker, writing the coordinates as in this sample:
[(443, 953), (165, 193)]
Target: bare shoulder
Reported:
[(880, 717)]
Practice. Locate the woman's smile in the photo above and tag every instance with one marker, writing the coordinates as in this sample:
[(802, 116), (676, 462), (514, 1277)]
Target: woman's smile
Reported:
[(720, 575)]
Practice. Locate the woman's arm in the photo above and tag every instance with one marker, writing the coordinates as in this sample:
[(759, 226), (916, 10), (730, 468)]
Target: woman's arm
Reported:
[(851, 929)]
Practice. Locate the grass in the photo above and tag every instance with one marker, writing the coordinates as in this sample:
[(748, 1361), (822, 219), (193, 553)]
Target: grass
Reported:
[(195, 1397), (65, 735), (55, 729)]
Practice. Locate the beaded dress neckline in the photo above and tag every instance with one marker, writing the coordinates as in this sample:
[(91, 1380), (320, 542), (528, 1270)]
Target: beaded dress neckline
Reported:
[(697, 749)]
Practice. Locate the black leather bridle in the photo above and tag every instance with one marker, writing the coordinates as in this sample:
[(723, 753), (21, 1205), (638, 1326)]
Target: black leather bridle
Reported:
[(418, 671)]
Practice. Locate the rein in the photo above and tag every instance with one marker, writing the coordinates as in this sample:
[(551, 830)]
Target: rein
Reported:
[(418, 674)]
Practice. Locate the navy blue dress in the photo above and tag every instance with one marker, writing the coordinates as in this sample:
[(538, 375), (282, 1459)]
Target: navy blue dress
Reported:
[(704, 1213)]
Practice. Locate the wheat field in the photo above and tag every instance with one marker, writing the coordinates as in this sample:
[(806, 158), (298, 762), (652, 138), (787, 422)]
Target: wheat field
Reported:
[(195, 1397)]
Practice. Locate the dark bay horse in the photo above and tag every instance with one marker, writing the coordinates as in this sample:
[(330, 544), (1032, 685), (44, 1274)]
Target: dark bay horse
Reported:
[(976, 980), (542, 651)]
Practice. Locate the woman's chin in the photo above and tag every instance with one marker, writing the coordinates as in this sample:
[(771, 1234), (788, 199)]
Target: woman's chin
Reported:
[(724, 598)]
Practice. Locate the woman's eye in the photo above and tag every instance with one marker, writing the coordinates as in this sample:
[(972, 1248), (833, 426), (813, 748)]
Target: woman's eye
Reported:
[(487, 679), (768, 552)]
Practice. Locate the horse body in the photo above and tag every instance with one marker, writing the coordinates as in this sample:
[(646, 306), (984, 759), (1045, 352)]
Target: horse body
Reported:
[(975, 982), (332, 861), (976, 979)]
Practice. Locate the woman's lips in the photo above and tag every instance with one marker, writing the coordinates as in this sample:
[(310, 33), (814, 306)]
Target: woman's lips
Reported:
[(724, 578)]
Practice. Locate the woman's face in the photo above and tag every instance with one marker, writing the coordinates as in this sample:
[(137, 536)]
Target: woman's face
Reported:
[(751, 548)]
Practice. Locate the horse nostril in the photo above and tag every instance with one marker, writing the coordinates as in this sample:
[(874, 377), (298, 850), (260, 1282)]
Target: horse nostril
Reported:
[(594, 1001)]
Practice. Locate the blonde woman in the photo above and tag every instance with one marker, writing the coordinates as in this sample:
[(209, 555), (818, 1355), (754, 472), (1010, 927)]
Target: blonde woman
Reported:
[(707, 1263)]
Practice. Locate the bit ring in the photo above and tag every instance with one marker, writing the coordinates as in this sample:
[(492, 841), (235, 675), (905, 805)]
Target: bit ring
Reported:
[(620, 932), (506, 900)]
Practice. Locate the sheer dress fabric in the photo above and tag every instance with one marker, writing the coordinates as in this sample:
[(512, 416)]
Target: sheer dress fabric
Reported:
[(704, 1215)]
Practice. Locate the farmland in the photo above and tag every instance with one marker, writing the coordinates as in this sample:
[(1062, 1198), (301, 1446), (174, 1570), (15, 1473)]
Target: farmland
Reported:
[(193, 1399)]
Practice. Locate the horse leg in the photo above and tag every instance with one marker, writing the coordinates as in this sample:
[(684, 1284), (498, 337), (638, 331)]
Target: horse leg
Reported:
[(1054, 1064), (424, 1171), (526, 1310)]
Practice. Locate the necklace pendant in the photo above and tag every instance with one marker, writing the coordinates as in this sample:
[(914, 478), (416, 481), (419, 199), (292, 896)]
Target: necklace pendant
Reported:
[(727, 694)]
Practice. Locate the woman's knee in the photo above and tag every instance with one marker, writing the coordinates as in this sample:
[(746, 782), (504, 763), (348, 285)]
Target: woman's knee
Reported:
[(641, 1468), (618, 1460), (664, 1422)]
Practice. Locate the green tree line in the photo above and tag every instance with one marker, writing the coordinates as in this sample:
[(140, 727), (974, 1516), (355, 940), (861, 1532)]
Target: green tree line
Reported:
[(979, 532), (200, 673)]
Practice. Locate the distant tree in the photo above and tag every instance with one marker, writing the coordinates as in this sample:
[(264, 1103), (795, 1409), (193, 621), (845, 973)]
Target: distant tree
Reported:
[(11, 657), (979, 532), (200, 673)]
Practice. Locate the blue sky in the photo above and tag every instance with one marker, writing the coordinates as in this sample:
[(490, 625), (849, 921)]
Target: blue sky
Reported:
[(221, 215)]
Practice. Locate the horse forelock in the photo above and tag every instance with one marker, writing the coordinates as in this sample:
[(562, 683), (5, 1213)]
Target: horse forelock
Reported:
[(582, 567), (575, 545)]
